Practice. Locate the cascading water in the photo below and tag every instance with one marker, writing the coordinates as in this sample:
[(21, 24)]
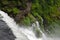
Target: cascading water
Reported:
[(22, 33), (12, 24)]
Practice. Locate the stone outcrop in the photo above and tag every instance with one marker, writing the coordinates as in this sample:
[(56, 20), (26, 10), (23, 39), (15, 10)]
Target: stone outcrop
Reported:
[(5, 32)]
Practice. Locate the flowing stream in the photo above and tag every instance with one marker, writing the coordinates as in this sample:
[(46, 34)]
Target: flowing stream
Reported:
[(22, 33)]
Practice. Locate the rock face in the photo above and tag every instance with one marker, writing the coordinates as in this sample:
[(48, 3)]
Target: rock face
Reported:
[(5, 32)]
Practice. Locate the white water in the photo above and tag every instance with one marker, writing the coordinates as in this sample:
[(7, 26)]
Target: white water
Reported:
[(20, 32)]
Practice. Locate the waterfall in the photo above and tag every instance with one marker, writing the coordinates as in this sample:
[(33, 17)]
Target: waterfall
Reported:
[(12, 24), (22, 33), (37, 26)]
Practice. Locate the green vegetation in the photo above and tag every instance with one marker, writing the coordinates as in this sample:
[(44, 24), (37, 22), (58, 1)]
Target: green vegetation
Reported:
[(48, 10)]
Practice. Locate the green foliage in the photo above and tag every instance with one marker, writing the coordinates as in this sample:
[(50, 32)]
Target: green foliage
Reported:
[(48, 10), (13, 6), (26, 21), (9, 10), (32, 18), (15, 10)]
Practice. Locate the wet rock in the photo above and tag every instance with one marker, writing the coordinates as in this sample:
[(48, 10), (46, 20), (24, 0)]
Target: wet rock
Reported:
[(5, 32)]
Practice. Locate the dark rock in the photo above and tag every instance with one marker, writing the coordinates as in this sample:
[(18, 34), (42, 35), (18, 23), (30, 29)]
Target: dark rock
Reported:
[(5, 32)]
